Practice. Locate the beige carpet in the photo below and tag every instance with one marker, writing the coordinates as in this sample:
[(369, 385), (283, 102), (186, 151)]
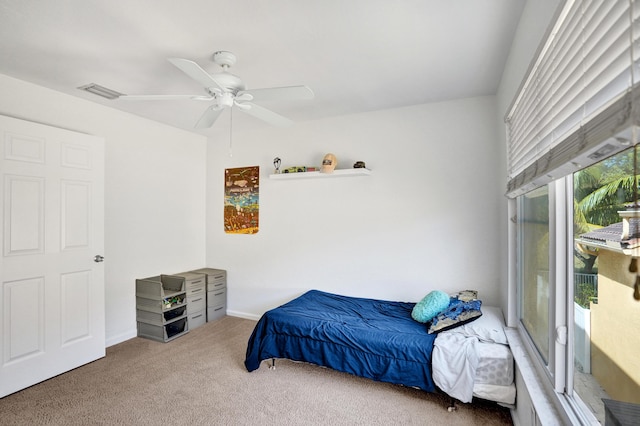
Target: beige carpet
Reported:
[(200, 379)]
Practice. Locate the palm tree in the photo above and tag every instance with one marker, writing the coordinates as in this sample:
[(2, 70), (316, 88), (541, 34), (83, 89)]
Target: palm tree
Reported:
[(600, 192)]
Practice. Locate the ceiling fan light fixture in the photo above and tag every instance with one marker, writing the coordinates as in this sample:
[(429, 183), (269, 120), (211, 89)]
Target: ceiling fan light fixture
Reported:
[(226, 100)]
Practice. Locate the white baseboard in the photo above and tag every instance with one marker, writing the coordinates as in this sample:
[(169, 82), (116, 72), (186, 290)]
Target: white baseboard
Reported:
[(114, 340), (244, 315)]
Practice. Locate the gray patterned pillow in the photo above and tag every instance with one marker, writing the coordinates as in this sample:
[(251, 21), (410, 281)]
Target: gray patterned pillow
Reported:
[(457, 314)]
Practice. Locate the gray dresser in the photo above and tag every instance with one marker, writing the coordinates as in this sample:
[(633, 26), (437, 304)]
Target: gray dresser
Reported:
[(167, 306), (196, 287), (216, 292)]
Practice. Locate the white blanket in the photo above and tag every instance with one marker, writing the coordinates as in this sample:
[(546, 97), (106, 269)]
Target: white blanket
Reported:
[(454, 364)]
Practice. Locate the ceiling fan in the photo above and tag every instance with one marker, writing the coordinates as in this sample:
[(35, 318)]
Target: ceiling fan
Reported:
[(225, 90)]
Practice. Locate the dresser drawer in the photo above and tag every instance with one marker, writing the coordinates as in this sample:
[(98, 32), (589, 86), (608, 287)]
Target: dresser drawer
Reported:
[(216, 312), (213, 275), (196, 282), (217, 297), (197, 319), (194, 292), (193, 280), (198, 303), (213, 285)]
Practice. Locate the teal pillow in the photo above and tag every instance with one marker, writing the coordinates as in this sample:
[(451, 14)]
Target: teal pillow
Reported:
[(430, 306)]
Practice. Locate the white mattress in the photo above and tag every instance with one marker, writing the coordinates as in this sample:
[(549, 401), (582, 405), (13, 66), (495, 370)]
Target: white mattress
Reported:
[(475, 360), (495, 373), (504, 395), (495, 364)]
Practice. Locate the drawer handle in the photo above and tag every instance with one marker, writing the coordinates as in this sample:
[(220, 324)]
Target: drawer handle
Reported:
[(196, 282), (218, 285), (197, 316), (195, 300), (219, 276), (218, 294), (196, 290), (217, 309)]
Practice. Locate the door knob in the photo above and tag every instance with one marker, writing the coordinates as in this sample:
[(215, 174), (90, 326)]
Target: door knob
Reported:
[(97, 258)]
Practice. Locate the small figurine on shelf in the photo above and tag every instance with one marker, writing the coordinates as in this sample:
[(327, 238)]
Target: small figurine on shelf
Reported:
[(359, 165), (276, 164), (329, 163)]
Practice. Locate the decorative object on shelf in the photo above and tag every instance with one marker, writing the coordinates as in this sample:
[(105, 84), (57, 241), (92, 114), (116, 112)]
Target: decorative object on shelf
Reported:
[(359, 165), (329, 163), (276, 163), (295, 169), (241, 200)]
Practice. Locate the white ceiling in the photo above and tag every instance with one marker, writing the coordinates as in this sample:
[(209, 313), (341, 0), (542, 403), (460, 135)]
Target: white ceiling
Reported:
[(356, 55)]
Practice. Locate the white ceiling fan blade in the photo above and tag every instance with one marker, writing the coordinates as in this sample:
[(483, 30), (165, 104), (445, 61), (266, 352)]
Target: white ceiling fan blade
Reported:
[(164, 97), (209, 117), (279, 93), (194, 71), (266, 115)]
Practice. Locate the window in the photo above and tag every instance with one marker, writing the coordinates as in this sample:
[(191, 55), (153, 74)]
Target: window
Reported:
[(568, 128), (601, 351), (533, 245), (543, 284), (605, 343)]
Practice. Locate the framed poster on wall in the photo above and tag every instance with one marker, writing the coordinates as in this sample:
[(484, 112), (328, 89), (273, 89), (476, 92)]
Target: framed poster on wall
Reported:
[(241, 200)]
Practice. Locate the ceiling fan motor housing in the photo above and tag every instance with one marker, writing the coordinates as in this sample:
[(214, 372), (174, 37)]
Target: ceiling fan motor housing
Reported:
[(224, 59), (229, 82)]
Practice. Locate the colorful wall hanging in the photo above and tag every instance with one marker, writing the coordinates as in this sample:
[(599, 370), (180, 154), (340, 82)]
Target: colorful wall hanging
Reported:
[(241, 200)]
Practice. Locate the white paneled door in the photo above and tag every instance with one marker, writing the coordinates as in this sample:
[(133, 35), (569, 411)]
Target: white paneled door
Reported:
[(51, 271)]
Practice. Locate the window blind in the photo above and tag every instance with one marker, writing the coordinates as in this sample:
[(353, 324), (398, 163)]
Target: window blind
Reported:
[(578, 96)]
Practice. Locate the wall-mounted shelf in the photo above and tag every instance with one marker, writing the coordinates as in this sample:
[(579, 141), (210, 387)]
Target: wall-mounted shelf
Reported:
[(319, 175)]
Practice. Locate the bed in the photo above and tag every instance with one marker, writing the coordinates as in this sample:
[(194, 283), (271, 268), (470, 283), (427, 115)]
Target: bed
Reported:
[(380, 340)]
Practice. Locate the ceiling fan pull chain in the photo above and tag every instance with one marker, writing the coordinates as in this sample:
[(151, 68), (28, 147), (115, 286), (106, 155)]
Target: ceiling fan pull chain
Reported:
[(231, 132)]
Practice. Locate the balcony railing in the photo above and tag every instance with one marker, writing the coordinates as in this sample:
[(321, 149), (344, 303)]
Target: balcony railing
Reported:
[(585, 288)]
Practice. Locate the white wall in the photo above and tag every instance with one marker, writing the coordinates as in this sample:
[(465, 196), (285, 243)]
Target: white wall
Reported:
[(155, 178), (534, 22), (427, 218)]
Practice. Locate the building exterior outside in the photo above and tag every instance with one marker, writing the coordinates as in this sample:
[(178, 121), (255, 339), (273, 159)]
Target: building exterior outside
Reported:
[(614, 317)]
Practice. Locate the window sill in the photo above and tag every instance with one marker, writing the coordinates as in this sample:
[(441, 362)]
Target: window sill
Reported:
[(543, 403)]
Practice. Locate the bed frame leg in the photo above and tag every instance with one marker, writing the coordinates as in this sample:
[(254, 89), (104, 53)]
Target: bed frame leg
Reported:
[(452, 405), (273, 364)]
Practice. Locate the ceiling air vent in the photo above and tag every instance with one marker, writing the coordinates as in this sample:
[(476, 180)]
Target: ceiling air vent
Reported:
[(96, 89)]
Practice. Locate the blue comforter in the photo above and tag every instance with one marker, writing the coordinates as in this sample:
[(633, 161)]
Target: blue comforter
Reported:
[(370, 338)]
